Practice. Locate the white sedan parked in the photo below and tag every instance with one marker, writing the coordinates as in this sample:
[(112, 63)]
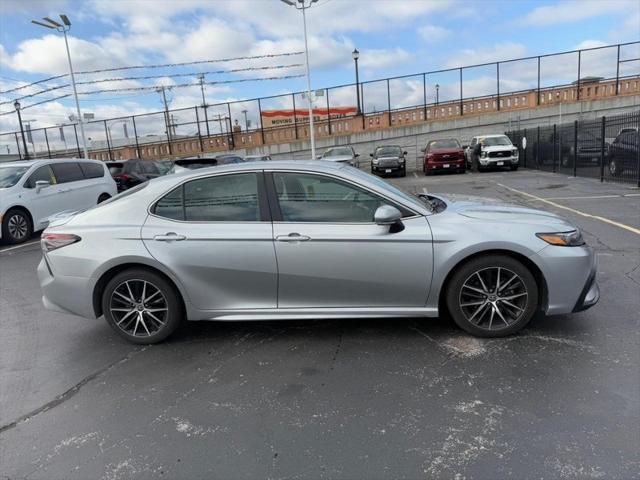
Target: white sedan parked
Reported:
[(33, 191)]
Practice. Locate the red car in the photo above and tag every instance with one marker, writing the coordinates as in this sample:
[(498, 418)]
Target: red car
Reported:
[(444, 156)]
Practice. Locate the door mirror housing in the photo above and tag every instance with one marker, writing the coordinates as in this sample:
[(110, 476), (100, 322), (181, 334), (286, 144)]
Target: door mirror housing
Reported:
[(318, 157), (371, 155), (404, 153), (423, 150), (391, 216), (40, 184), (464, 147), (357, 155)]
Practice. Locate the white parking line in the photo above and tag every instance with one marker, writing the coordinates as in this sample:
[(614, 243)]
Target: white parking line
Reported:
[(578, 212), (415, 174), (19, 246), (583, 198)]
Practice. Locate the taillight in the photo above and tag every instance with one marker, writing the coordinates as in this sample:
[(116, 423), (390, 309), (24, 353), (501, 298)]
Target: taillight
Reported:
[(123, 176), (53, 241)]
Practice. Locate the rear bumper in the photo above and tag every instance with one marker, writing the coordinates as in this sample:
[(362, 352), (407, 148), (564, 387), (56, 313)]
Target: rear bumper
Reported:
[(75, 293), (446, 166)]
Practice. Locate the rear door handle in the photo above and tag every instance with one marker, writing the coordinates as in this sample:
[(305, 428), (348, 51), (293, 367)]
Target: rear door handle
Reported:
[(169, 237), (292, 237)]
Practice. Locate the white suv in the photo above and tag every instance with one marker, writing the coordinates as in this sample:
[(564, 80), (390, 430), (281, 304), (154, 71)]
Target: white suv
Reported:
[(32, 191), (486, 151)]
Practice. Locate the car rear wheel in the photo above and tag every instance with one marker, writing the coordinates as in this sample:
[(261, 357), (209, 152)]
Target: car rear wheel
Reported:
[(492, 296), (103, 197), (16, 226), (142, 306)]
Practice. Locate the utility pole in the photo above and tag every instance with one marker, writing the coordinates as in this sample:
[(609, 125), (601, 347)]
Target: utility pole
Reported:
[(166, 110), (16, 104), (204, 103), (246, 121)]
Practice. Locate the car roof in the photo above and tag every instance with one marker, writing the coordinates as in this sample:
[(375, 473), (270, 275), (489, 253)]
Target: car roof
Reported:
[(44, 161), (491, 135)]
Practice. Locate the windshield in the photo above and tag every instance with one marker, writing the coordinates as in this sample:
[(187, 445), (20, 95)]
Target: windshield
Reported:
[(388, 151), (494, 141), (449, 143), (9, 176), (334, 152)]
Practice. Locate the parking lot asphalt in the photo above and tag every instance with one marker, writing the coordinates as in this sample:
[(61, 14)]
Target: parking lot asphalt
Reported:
[(383, 398)]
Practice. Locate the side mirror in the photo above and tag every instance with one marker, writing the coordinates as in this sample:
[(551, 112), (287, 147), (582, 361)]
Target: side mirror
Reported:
[(404, 153), (464, 147), (371, 155), (388, 215), (40, 184), (423, 150), (318, 157), (357, 155)]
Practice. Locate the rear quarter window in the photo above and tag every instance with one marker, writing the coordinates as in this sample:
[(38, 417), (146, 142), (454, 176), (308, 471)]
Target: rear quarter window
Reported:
[(92, 170)]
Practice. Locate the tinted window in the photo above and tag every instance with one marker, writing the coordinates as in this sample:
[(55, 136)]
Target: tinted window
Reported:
[(42, 173), (67, 172), (224, 198), (315, 198), (230, 159), (115, 168), (92, 170)]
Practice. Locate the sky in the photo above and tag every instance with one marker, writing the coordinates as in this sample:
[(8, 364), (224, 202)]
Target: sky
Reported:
[(394, 37)]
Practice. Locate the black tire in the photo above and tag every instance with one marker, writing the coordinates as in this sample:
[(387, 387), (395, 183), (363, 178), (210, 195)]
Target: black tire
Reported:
[(513, 168), (103, 197), (614, 168), (527, 303), (17, 226), (155, 332), (403, 172)]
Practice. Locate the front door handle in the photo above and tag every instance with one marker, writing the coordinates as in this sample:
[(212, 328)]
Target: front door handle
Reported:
[(292, 237), (64, 190), (169, 237)]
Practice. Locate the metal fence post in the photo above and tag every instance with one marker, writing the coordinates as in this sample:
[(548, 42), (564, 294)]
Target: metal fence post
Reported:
[(461, 99), (498, 85), (135, 134), (75, 131), (538, 149), (328, 112), (618, 71), (575, 148), (578, 84), (232, 140), (364, 126), (46, 139), (424, 94), (106, 131), (206, 120), (261, 125), (602, 133), (389, 102), (18, 145), (199, 134), (555, 141), (295, 117), (538, 101)]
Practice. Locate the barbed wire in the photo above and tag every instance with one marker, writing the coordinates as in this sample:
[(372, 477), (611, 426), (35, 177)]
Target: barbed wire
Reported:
[(155, 87), (150, 77), (164, 65)]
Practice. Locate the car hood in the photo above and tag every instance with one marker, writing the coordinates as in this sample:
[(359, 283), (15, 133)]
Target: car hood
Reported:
[(491, 209), (338, 158)]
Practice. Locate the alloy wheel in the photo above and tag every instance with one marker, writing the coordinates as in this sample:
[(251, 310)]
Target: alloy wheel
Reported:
[(138, 307), (17, 226), (493, 298)]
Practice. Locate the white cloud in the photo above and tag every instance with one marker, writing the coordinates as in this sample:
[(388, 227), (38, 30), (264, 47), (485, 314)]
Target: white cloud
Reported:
[(499, 51), (571, 11), (433, 33), (383, 58)]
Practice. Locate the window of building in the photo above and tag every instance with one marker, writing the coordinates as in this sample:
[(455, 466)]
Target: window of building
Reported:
[(564, 95), (449, 110), (413, 116), (479, 106), (588, 91), (377, 120), (371, 121), (486, 105)]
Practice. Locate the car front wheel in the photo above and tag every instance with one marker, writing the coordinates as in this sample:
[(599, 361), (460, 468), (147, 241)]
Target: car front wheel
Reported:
[(16, 226), (492, 296), (142, 306)]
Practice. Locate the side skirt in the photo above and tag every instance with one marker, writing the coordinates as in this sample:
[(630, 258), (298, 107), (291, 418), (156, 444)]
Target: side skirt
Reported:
[(313, 313)]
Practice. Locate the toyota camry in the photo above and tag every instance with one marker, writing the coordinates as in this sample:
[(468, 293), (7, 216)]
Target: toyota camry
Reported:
[(309, 240)]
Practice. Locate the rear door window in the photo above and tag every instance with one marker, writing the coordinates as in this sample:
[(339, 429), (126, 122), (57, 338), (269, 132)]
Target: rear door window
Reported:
[(92, 170), (67, 172)]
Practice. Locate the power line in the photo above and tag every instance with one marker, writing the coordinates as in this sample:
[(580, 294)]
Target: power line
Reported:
[(182, 64), (150, 77)]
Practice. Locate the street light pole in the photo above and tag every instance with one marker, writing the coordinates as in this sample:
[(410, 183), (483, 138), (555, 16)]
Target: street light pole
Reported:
[(246, 122), (16, 104), (52, 24), (437, 93), (356, 55), (301, 5)]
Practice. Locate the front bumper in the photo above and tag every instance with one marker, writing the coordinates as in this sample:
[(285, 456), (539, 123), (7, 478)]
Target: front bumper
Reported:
[(590, 294), (388, 168), (446, 166), (498, 161)]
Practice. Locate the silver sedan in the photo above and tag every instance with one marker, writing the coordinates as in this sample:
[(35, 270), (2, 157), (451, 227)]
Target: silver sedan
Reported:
[(308, 240)]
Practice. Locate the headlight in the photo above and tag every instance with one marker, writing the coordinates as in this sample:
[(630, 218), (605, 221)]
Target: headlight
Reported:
[(374, 161), (483, 154), (563, 239), (515, 153)]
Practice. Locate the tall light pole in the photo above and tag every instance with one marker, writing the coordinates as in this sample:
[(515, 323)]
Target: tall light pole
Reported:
[(52, 24), (246, 121), (16, 105), (356, 54), (437, 93), (303, 5)]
